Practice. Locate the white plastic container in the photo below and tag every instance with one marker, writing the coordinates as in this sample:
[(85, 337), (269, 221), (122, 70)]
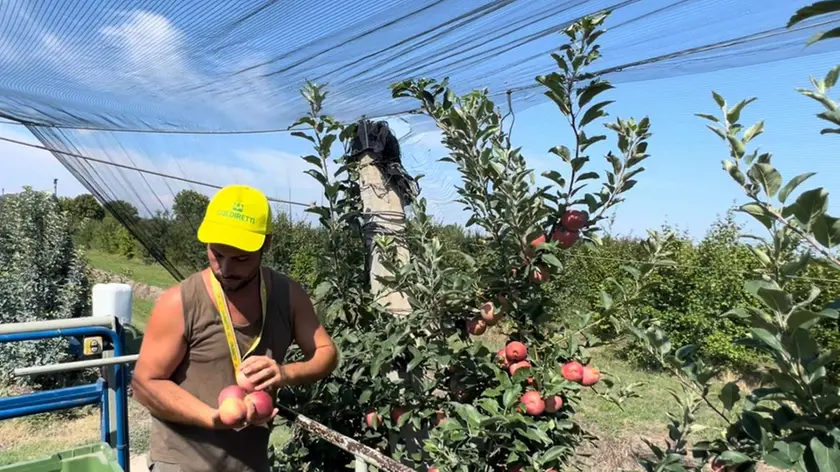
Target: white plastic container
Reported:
[(112, 300)]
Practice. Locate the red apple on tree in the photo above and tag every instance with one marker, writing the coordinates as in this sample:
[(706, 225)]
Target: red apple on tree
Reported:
[(573, 371), (501, 358), (565, 239), (440, 418), (372, 419), (574, 220), (515, 351), (489, 315), (591, 376), (538, 241), (540, 274), (534, 404), (553, 403), (518, 365), (396, 413)]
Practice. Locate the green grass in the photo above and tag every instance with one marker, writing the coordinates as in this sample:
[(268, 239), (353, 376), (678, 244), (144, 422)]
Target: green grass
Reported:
[(140, 310), (642, 414), (136, 270)]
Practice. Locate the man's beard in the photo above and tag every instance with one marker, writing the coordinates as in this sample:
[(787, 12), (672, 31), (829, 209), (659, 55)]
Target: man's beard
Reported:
[(235, 284)]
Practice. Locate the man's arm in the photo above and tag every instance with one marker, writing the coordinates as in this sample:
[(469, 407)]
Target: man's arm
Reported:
[(162, 350), (319, 351)]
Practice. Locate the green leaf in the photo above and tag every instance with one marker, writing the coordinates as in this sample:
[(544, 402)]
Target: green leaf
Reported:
[(757, 211), (552, 454), (591, 91), (806, 319), (364, 397), (794, 182), (734, 457), (735, 172), (718, 99), (769, 178), (606, 300), (767, 339), (827, 460), (833, 33), (708, 117), (753, 131), (775, 299), (594, 112), (826, 230), (735, 113), (815, 9), (552, 259), (811, 205), (729, 395)]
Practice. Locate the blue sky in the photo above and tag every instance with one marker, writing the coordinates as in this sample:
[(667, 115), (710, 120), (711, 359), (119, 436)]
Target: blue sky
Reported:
[(684, 184)]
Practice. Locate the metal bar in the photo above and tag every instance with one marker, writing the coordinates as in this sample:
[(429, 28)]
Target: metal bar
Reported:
[(366, 454), (30, 326), (25, 333), (49, 396), (77, 365), (105, 415), (48, 407)]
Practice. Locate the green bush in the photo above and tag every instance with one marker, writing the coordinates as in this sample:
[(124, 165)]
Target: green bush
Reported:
[(42, 277)]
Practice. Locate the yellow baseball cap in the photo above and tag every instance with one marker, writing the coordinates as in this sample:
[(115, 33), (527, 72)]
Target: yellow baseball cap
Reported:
[(238, 216)]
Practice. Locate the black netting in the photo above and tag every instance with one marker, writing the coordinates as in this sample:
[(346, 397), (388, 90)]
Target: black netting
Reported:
[(115, 85)]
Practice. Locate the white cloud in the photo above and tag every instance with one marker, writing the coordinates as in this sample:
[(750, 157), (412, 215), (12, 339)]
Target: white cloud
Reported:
[(144, 55)]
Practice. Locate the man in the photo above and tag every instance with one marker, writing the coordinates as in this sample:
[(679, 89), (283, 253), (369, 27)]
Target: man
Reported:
[(189, 353)]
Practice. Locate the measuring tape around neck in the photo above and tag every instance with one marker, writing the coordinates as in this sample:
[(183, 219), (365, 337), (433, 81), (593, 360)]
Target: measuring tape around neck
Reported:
[(222, 305)]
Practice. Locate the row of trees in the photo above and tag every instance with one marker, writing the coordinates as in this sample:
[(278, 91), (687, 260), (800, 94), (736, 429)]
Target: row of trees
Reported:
[(686, 299)]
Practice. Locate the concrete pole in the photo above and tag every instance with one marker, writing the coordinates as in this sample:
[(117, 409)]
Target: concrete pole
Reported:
[(384, 213)]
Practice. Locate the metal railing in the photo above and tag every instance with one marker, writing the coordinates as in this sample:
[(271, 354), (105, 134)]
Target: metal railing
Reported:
[(115, 429), (102, 392)]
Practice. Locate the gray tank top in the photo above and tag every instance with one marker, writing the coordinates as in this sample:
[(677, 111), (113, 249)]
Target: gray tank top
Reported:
[(207, 369)]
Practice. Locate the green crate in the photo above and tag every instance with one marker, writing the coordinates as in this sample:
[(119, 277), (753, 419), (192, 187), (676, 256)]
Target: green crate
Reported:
[(98, 457)]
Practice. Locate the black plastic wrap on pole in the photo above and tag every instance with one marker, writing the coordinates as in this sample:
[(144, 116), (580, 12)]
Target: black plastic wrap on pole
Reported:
[(377, 139)]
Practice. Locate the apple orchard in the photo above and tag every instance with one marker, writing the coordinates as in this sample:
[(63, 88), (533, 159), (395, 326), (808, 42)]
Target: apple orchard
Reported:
[(432, 388)]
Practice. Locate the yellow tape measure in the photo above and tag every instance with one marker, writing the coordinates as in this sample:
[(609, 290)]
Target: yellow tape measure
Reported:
[(224, 313)]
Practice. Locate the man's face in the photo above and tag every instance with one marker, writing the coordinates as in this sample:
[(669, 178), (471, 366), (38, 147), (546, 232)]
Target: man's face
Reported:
[(232, 267)]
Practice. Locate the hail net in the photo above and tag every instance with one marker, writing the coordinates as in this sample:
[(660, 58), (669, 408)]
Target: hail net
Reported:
[(141, 99)]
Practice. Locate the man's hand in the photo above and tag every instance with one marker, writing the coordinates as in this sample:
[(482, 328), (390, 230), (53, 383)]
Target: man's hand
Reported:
[(263, 372)]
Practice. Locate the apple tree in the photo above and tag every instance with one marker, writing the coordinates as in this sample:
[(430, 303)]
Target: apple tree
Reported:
[(791, 422)]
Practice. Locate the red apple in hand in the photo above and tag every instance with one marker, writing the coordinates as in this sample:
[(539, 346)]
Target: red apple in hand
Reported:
[(242, 381), (262, 402), (233, 391), (232, 411), (574, 220), (573, 371)]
